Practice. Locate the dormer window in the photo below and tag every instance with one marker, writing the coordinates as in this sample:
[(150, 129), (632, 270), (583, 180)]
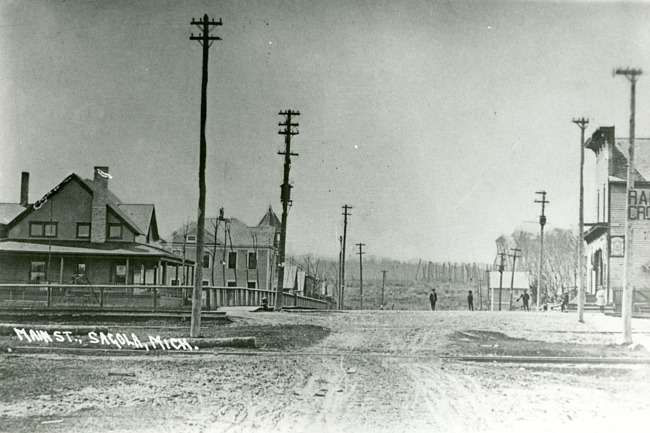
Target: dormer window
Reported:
[(83, 230), (115, 231), (43, 229)]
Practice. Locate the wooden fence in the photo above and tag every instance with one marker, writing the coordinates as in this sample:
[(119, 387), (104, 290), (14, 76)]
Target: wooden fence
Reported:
[(140, 297)]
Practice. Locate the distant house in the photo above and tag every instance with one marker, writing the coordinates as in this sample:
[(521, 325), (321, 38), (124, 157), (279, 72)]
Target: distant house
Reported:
[(80, 232), (497, 284), (234, 254)]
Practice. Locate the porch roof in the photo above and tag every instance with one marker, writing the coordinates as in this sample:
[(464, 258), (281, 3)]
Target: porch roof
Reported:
[(83, 248), (595, 231)]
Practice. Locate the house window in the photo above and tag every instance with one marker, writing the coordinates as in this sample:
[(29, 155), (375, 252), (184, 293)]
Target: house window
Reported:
[(120, 274), (83, 230), (174, 282), (231, 283), (232, 260), (206, 261), (252, 260), (252, 285), (115, 231), (206, 282), (43, 230), (37, 273), (191, 239)]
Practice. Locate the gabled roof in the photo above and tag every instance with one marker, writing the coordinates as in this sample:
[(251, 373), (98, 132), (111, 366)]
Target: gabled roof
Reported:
[(9, 211), (112, 202), (270, 219), (141, 214)]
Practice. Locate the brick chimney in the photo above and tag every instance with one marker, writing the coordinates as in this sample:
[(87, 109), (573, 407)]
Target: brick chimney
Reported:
[(98, 221), (24, 189)]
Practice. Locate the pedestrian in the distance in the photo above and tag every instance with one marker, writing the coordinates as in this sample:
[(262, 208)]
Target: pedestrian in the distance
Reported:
[(524, 297), (565, 301), (470, 301), (433, 298), (600, 298)]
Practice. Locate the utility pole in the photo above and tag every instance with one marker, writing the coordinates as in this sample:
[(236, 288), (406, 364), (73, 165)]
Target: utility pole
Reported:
[(285, 196), (338, 280), (501, 278), (542, 222), (628, 281), (512, 278), (582, 124), (205, 25), (383, 285), (346, 208), (361, 253)]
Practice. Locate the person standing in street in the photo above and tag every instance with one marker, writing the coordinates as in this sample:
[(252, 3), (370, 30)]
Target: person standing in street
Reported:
[(433, 298), (600, 298), (470, 301), (565, 301), (524, 297)]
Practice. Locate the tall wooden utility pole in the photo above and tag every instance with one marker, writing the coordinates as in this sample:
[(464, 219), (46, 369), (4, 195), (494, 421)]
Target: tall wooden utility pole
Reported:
[(285, 196), (512, 277), (501, 277), (205, 25), (361, 253), (338, 280), (346, 208), (628, 280), (542, 223), (383, 285), (582, 124)]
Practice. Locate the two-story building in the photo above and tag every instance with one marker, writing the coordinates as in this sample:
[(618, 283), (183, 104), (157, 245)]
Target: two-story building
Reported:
[(81, 233), (234, 254), (605, 234)]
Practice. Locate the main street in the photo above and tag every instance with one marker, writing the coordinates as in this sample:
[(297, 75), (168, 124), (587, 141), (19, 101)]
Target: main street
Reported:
[(376, 371)]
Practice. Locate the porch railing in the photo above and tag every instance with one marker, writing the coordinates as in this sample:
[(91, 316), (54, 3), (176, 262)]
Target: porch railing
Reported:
[(140, 297), (640, 300)]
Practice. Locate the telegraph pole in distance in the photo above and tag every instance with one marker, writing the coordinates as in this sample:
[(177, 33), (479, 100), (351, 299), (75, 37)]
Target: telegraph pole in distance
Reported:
[(628, 281), (345, 232), (542, 222), (582, 124), (383, 284), (285, 197), (361, 253), (338, 280), (205, 25), (501, 278), (512, 277)]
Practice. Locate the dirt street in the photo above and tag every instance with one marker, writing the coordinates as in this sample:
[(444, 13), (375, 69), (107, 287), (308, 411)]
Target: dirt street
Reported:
[(379, 371)]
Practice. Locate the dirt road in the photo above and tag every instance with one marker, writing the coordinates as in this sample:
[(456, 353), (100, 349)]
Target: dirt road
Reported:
[(377, 371)]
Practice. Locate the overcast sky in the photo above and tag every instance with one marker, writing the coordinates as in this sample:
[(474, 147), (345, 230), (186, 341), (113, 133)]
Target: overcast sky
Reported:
[(436, 121)]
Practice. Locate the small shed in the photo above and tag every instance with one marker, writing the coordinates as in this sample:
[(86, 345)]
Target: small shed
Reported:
[(502, 285)]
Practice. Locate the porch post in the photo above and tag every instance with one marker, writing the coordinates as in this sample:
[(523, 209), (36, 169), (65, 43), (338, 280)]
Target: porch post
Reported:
[(61, 272)]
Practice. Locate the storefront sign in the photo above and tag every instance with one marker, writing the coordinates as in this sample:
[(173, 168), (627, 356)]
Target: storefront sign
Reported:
[(638, 204), (617, 246)]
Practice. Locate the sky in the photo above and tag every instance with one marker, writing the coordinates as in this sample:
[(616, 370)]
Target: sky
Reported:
[(436, 121)]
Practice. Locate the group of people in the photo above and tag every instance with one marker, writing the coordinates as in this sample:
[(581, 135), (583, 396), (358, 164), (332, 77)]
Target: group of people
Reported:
[(525, 298)]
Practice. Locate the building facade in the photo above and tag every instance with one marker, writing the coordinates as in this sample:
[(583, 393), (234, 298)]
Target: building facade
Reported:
[(81, 233), (234, 254), (605, 224)]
